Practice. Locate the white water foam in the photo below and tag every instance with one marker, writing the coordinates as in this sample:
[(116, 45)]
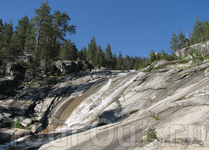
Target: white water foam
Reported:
[(6, 145), (90, 108)]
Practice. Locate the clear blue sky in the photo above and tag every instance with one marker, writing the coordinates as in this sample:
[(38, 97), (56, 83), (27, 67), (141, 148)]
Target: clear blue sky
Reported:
[(133, 27)]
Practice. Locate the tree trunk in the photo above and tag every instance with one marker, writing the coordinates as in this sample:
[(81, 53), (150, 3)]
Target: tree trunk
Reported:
[(38, 36)]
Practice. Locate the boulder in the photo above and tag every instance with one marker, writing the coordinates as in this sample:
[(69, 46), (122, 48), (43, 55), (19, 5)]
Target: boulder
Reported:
[(12, 67), (35, 128), (7, 85), (18, 108), (26, 122), (6, 123), (22, 132), (71, 66)]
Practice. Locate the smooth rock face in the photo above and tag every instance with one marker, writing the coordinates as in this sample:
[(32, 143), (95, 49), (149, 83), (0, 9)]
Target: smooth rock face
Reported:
[(146, 110), (203, 46), (173, 104)]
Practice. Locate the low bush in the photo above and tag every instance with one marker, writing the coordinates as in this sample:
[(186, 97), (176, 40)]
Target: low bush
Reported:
[(151, 135), (134, 111), (150, 69), (18, 125)]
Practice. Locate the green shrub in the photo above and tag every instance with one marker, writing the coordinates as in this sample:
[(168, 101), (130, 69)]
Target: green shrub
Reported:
[(134, 111), (119, 104), (161, 66), (150, 69), (183, 61), (151, 135), (196, 56), (153, 116), (18, 125), (85, 67)]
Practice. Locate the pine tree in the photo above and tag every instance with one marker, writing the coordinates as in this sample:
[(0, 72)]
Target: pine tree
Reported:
[(163, 54), (114, 61), (68, 51), (197, 34), (152, 56), (108, 56), (9, 48), (1, 29), (136, 64), (145, 62), (43, 22), (127, 62), (132, 62), (84, 53), (182, 40), (30, 39), (99, 59), (206, 30), (20, 32), (44, 37), (174, 43), (120, 64), (92, 48), (8, 33), (61, 27)]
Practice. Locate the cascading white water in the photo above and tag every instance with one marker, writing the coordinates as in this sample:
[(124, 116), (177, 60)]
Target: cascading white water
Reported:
[(90, 108)]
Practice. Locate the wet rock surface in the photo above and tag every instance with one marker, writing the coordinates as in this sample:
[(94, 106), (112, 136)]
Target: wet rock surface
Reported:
[(152, 106)]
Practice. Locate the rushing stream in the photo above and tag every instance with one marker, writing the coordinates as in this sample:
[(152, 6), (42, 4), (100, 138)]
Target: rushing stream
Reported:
[(89, 109), (84, 114)]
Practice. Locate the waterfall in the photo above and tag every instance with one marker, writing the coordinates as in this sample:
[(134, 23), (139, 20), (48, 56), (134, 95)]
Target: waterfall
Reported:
[(89, 109)]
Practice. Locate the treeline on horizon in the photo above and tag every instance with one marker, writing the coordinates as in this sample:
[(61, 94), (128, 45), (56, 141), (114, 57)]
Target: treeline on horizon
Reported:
[(199, 34), (44, 36)]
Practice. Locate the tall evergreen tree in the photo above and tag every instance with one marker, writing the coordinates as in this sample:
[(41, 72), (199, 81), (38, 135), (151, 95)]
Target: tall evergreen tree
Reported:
[(182, 40), (61, 27), (127, 62), (206, 30), (92, 48), (30, 39), (197, 34), (114, 61), (99, 59), (137, 62), (43, 22), (68, 51), (163, 54), (152, 56), (174, 43), (8, 47), (1, 30), (1, 38), (108, 56), (132, 62), (120, 63), (20, 33), (84, 53), (44, 34)]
